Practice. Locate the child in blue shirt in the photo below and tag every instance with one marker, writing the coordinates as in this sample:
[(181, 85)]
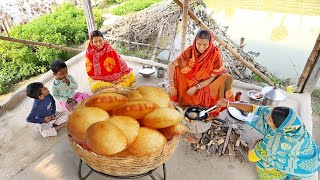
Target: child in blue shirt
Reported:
[(64, 86), (43, 111)]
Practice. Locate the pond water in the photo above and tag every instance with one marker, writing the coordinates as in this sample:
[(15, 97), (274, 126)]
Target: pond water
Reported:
[(283, 32)]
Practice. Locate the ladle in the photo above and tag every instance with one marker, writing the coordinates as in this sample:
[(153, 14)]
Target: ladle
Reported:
[(203, 112)]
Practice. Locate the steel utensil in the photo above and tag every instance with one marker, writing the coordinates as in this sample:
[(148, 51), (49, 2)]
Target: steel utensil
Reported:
[(203, 112)]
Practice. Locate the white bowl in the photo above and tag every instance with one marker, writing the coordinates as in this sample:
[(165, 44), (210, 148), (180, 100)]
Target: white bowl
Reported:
[(145, 72)]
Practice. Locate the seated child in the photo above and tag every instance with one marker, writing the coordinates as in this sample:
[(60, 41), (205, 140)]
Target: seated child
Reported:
[(64, 86), (44, 110)]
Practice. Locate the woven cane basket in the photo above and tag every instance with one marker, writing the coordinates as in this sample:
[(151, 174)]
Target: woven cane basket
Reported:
[(129, 165), (123, 165)]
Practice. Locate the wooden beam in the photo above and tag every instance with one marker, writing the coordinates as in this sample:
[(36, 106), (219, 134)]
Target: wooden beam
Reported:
[(33, 43), (184, 24), (309, 67), (91, 25), (313, 77), (227, 46)]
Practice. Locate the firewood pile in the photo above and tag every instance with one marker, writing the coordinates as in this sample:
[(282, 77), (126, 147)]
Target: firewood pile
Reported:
[(223, 138), (144, 26)]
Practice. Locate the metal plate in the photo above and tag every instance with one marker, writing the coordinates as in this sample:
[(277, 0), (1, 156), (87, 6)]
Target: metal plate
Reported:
[(234, 112)]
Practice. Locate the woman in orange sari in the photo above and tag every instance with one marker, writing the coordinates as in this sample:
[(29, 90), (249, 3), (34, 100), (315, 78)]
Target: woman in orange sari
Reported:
[(105, 67), (197, 77)]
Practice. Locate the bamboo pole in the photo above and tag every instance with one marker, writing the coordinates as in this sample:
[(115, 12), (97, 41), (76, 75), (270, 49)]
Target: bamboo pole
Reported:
[(184, 24), (227, 46), (5, 28), (22, 41), (309, 66), (91, 25)]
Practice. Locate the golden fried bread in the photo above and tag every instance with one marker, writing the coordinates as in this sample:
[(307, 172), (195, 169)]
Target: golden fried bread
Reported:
[(135, 109), (105, 138), (148, 141), (162, 118), (153, 94), (106, 101), (81, 118), (129, 126), (175, 130)]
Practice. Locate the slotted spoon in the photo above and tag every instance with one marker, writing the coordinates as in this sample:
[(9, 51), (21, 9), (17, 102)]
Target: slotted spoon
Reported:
[(203, 112)]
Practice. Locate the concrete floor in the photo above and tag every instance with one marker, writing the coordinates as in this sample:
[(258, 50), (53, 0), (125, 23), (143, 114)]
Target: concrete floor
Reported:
[(24, 154)]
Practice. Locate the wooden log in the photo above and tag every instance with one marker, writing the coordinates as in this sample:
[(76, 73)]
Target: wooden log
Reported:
[(184, 24), (309, 65), (227, 139), (243, 143), (227, 46), (220, 150), (313, 77), (238, 143), (33, 43), (241, 46), (91, 25)]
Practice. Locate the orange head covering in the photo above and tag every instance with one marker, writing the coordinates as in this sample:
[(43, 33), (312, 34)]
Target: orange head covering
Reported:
[(190, 63)]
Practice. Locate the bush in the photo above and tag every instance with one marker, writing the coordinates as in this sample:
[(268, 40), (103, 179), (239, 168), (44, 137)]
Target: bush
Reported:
[(132, 6), (66, 27)]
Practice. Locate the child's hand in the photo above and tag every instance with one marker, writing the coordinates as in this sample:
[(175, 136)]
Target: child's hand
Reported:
[(47, 119), (53, 116), (69, 100), (66, 80)]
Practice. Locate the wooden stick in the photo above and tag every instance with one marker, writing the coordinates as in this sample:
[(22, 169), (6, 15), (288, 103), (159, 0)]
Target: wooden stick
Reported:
[(33, 43), (184, 24), (5, 28), (227, 139), (227, 46), (309, 65), (234, 68)]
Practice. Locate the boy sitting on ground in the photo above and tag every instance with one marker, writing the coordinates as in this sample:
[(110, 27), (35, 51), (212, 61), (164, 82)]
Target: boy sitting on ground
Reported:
[(64, 86), (43, 111)]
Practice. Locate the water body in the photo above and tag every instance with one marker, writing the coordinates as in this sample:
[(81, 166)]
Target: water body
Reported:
[(18, 11), (283, 31)]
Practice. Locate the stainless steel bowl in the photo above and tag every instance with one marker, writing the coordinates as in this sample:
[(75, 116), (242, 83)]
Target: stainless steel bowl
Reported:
[(147, 71), (272, 96)]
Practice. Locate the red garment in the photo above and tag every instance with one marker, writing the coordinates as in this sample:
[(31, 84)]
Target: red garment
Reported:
[(105, 64)]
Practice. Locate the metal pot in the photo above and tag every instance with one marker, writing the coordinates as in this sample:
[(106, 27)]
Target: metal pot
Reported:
[(272, 96)]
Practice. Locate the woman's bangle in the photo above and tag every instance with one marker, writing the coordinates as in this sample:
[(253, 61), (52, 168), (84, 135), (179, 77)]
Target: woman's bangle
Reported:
[(228, 103), (199, 86)]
